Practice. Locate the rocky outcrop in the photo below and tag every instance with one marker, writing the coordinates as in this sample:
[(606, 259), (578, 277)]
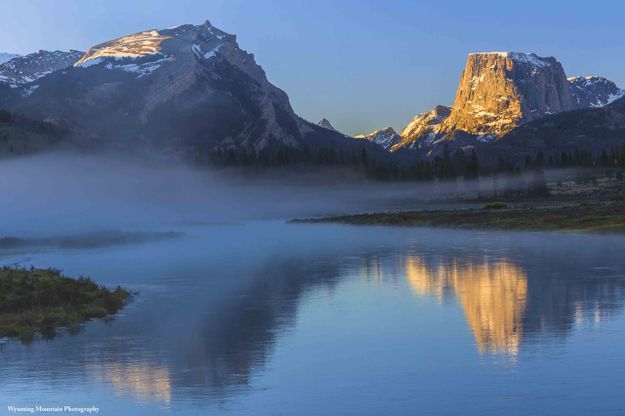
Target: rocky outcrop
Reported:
[(386, 137), (325, 123), (22, 70), (499, 91), (594, 91), (423, 130)]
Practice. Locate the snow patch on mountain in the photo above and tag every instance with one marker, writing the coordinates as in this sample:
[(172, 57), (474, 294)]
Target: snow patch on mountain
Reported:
[(197, 50), (528, 58)]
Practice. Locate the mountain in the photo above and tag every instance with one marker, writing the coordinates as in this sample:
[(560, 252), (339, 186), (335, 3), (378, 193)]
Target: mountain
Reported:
[(325, 123), (499, 91), (21, 70), (594, 91), (4, 57), (423, 130), (592, 129), (386, 137), (186, 92)]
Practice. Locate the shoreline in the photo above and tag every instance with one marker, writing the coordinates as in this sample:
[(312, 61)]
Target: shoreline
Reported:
[(589, 218)]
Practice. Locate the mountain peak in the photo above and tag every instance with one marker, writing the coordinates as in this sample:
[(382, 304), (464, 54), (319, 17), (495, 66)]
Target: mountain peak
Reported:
[(386, 137), (325, 123), (498, 91), (21, 70), (593, 91)]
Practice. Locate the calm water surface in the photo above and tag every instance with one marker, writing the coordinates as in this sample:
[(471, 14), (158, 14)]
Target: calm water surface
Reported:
[(270, 318)]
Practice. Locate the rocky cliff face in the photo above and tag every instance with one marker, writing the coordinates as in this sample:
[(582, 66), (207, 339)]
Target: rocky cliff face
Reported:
[(594, 91), (501, 90), (22, 70), (424, 129), (386, 137)]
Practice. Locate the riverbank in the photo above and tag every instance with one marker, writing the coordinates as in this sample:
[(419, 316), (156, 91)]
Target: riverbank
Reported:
[(42, 300), (596, 218)]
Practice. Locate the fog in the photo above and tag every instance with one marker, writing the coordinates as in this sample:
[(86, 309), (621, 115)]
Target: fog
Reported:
[(68, 194), (63, 193)]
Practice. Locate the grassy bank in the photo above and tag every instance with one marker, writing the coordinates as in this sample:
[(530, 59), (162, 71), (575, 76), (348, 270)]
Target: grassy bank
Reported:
[(41, 300), (609, 217)]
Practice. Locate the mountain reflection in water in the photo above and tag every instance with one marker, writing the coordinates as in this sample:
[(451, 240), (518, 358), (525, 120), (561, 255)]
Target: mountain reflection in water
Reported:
[(228, 325), (493, 296)]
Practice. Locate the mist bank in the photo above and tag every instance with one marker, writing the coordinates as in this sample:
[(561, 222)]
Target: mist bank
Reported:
[(49, 197), (61, 194)]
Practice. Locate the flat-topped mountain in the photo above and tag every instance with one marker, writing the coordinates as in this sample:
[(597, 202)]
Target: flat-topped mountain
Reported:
[(499, 91)]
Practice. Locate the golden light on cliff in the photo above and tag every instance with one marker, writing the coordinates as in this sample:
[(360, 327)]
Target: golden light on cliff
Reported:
[(493, 296)]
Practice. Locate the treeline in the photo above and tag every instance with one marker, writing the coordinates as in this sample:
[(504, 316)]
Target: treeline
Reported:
[(448, 166), (19, 133), (288, 156)]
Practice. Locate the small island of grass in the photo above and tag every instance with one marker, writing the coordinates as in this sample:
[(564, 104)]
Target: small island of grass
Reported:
[(42, 300)]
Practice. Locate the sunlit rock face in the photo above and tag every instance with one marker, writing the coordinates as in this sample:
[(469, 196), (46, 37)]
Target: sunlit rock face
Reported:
[(493, 297), (498, 93), (501, 90), (131, 46), (424, 129)]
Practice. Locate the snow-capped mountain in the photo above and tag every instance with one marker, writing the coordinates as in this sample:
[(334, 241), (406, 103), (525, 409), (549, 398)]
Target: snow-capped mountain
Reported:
[(4, 57), (188, 91), (424, 129), (21, 70), (500, 91), (386, 137), (594, 91)]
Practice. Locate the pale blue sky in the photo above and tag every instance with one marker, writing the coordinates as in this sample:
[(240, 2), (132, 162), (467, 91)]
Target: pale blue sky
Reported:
[(363, 64)]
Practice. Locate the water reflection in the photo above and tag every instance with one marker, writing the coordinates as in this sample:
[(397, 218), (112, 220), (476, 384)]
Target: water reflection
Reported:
[(138, 380), (493, 296), (505, 305), (207, 328)]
